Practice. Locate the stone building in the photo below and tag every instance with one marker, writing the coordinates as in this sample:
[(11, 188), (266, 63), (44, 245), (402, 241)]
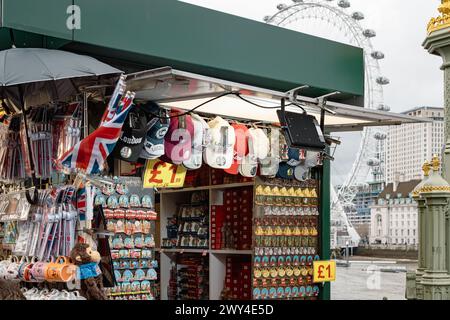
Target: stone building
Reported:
[(394, 216)]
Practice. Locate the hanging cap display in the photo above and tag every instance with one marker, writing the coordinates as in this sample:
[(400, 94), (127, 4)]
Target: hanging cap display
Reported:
[(240, 147), (249, 165), (261, 144), (198, 141), (130, 144), (286, 171), (157, 130), (269, 166), (219, 152), (178, 140), (296, 156)]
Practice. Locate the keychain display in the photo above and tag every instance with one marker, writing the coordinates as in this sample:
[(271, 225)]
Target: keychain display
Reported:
[(286, 225), (132, 245)]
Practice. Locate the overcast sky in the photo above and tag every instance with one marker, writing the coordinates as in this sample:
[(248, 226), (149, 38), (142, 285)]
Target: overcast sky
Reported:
[(416, 79)]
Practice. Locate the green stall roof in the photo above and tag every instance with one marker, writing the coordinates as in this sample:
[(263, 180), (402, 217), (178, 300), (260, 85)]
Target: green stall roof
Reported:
[(155, 33)]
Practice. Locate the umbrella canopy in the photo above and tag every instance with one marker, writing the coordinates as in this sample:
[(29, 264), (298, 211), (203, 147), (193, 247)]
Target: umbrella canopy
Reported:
[(33, 76)]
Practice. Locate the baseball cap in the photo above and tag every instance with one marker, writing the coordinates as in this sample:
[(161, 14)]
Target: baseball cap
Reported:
[(286, 171), (249, 165), (219, 153), (198, 141), (178, 140), (296, 156), (157, 130), (270, 165), (131, 142), (240, 147)]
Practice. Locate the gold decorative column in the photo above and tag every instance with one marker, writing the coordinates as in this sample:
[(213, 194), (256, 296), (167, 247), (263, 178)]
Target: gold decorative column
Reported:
[(438, 43)]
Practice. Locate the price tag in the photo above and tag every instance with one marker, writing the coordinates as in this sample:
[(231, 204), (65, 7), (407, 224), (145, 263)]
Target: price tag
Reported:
[(324, 271), (159, 174)]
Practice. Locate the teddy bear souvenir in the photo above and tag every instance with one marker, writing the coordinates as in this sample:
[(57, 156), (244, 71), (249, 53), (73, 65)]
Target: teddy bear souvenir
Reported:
[(89, 273)]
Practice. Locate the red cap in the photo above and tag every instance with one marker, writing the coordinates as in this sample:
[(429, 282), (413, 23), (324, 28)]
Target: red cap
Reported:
[(240, 147)]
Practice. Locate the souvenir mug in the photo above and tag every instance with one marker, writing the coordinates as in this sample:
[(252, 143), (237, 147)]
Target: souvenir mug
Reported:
[(61, 270), (38, 271)]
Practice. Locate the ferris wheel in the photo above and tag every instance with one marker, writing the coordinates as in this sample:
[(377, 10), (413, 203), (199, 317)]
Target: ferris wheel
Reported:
[(335, 20)]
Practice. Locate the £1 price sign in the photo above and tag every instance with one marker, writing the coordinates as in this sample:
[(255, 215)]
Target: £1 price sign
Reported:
[(160, 174), (324, 271)]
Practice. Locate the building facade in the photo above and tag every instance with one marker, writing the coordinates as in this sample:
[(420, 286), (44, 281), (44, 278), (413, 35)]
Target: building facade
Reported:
[(394, 216), (410, 145), (360, 218)]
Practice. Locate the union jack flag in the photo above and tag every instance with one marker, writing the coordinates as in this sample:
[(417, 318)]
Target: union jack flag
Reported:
[(81, 203), (90, 154)]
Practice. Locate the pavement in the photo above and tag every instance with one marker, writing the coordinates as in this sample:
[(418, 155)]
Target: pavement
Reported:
[(364, 280)]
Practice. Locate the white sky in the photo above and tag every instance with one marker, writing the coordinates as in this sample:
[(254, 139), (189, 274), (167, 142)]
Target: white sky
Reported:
[(416, 79)]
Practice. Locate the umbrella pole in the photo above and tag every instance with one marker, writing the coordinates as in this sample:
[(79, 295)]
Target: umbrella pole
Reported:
[(85, 115), (28, 150)]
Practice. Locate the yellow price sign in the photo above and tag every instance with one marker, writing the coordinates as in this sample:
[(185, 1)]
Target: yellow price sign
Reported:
[(160, 174), (324, 271)]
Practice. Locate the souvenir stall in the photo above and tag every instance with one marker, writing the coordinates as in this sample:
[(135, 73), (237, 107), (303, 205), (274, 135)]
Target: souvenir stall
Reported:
[(207, 183), (52, 243)]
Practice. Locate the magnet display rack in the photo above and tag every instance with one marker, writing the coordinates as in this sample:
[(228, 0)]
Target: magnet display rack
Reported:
[(170, 199)]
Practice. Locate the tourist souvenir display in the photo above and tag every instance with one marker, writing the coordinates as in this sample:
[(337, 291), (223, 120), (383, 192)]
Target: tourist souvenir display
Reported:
[(247, 214)]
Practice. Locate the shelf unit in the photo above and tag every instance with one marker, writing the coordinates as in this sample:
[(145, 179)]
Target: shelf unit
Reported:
[(169, 200)]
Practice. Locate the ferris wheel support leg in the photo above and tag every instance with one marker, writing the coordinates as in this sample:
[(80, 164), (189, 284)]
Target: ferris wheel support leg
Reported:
[(325, 220)]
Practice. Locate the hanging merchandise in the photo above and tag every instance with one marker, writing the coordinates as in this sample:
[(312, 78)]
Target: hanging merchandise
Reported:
[(67, 124), (240, 147), (199, 140), (131, 141), (40, 133), (90, 154), (12, 162), (178, 140), (219, 153), (270, 165), (157, 130)]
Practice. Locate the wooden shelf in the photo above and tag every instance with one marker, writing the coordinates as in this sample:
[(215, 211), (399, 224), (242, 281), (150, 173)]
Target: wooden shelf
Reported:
[(214, 187), (180, 250), (231, 252)]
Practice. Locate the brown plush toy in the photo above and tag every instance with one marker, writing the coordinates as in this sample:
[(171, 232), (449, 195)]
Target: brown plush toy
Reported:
[(90, 275), (10, 291)]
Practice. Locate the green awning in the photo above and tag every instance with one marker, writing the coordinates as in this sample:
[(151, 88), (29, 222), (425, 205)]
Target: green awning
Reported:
[(156, 33)]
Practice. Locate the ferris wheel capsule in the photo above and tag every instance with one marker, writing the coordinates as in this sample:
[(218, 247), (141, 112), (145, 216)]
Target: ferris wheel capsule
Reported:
[(358, 15), (344, 4), (266, 18), (383, 107), (377, 55), (380, 136), (383, 81), (373, 162), (281, 6), (369, 33)]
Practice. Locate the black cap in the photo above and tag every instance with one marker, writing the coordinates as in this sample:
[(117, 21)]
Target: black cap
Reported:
[(131, 142)]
